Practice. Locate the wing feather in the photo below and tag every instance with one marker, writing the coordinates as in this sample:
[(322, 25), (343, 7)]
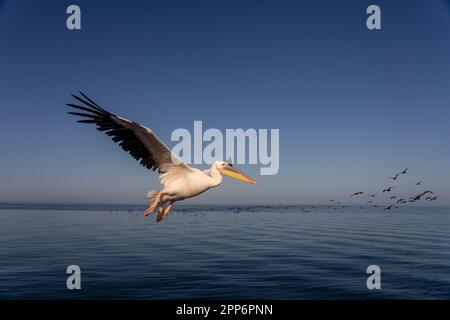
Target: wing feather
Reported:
[(139, 141)]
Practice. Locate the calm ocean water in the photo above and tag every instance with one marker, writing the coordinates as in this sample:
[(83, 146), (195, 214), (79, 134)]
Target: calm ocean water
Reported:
[(273, 252)]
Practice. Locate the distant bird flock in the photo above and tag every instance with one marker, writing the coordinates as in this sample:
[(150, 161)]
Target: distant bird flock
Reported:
[(396, 200)]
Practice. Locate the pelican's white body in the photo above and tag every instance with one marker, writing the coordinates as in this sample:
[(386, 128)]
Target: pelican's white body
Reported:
[(188, 184)]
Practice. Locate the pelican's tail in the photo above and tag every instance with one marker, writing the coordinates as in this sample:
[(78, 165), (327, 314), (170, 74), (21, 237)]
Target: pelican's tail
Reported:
[(151, 195), (155, 198)]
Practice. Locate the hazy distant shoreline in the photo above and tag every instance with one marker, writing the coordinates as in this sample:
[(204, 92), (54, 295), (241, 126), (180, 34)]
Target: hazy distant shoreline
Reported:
[(182, 207)]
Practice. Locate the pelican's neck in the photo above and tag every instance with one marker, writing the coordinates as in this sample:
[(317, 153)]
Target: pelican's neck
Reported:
[(215, 175)]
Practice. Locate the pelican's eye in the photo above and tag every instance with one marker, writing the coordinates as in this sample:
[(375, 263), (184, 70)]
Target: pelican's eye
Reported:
[(230, 164)]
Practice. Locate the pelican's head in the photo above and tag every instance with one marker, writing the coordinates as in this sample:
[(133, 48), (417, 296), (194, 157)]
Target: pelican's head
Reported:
[(228, 170)]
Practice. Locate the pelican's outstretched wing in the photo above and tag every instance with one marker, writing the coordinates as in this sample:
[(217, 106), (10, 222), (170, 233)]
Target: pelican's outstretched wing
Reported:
[(140, 142)]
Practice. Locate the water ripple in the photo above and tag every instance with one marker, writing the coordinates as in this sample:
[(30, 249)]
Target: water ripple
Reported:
[(279, 252)]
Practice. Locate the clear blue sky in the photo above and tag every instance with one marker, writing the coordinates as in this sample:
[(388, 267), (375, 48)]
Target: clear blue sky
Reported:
[(353, 106)]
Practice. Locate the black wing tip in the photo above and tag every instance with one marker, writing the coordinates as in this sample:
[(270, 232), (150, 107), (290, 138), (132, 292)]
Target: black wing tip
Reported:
[(91, 101), (79, 92), (87, 101), (74, 96), (86, 97)]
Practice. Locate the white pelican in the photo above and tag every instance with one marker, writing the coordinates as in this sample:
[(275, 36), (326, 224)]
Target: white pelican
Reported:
[(180, 180)]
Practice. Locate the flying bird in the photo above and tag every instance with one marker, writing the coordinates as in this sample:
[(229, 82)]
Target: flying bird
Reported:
[(180, 180), (416, 198), (372, 195), (388, 189), (395, 177), (389, 207), (357, 193), (393, 197), (418, 183), (404, 171)]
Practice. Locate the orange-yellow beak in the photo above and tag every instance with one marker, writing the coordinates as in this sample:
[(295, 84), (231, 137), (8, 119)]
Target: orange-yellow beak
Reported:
[(236, 174)]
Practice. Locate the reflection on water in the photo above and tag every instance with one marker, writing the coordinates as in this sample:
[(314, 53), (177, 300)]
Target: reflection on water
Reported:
[(285, 252)]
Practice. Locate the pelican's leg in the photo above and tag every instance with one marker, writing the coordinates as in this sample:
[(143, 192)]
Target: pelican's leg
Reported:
[(154, 204), (163, 212)]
